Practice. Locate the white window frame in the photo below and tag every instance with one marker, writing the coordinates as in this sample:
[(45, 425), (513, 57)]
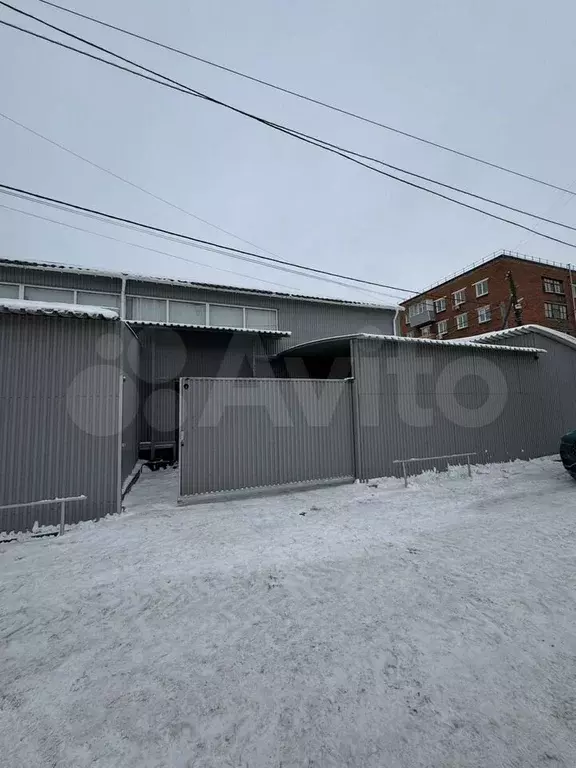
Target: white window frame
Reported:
[(553, 282), (428, 333), (441, 324), (23, 287), (442, 301), (486, 314), (208, 305), (99, 293), (460, 326), (17, 285), (477, 285), (455, 303), (184, 301)]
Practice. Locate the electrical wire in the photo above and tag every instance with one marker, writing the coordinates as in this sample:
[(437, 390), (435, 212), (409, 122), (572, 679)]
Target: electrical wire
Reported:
[(328, 146), (190, 261), (132, 184), (26, 194), (314, 141), (311, 100)]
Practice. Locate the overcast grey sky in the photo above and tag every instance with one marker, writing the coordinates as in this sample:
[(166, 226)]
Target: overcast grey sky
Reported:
[(491, 78)]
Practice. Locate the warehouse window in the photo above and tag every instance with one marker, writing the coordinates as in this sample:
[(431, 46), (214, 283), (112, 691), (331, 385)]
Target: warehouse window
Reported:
[(462, 320), (59, 295), (481, 288), (484, 314), (96, 299), (9, 291), (187, 312), (552, 286), (153, 310), (442, 328), (555, 311), (229, 317), (459, 297), (266, 319)]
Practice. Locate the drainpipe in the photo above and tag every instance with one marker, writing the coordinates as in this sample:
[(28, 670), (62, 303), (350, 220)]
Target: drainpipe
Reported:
[(396, 323), (123, 299)]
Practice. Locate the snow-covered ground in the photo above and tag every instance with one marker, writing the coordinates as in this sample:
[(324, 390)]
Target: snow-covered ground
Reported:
[(433, 626)]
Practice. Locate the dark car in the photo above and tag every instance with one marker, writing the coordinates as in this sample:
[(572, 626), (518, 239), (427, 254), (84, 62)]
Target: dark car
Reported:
[(568, 452)]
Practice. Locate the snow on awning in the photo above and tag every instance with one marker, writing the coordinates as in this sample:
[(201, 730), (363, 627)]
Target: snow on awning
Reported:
[(198, 327), (338, 344), (55, 309)]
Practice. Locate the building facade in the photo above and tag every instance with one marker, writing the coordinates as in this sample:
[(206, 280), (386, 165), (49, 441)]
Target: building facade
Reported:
[(478, 300)]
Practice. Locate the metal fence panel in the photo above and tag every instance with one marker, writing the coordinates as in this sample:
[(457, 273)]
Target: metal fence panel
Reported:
[(250, 433)]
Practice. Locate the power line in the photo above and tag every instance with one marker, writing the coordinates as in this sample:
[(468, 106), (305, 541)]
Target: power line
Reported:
[(328, 146), (310, 99), (182, 258), (7, 189), (314, 141), (135, 245), (131, 183)]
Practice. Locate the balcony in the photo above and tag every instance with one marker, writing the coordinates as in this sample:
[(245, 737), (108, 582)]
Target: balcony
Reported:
[(421, 313)]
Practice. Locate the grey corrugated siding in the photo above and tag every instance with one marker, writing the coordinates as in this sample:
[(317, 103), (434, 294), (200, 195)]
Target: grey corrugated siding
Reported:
[(391, 425), (307, 320), (294, 431), (557, 377), (130, 401), (43, 453), (55, 279)]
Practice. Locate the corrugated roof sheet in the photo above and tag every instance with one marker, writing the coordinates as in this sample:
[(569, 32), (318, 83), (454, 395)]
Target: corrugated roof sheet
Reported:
[(196, 327), (408, 340), (24, 307), (74, 269), (522, 330)]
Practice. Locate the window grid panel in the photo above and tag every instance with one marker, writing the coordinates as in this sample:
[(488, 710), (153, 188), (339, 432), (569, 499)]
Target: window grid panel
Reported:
[(459, 297), (59, 295), (462, 321), (481, 288), (264, 319), (187, 312), (9, 291), (442, 327), (440, 305), (98, 299)]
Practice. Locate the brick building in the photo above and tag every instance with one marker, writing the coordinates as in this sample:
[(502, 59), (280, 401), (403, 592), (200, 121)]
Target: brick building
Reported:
[(477, 299)]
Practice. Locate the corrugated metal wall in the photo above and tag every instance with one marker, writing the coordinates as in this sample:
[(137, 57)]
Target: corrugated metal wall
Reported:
[(59, 408), (130, 401), (56, 279), (557, 377), (307, 320), (263, 432), (418, 401)]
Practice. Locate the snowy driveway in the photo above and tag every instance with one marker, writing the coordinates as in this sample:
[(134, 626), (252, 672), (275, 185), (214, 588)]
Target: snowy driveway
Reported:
[(433, 627)]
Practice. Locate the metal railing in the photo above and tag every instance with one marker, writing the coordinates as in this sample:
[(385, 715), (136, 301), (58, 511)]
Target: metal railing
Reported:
[(45, 502), (434, 458), (502, 252)]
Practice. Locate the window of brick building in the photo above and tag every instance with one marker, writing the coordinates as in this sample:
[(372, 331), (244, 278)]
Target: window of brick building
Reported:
[(459, 297), (442, 328), (555, 311), (462, 320), (481, 288), (440, 304), (426, 331), (552, 286), (484, 314)]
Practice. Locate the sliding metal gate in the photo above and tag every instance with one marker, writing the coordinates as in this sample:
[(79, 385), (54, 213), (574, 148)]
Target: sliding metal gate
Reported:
[(251, 433)]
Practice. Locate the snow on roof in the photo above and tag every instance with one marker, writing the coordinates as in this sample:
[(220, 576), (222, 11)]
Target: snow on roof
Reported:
[(522, 330), (75, 269), (23, 307), (199, 327), (409, 340)]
